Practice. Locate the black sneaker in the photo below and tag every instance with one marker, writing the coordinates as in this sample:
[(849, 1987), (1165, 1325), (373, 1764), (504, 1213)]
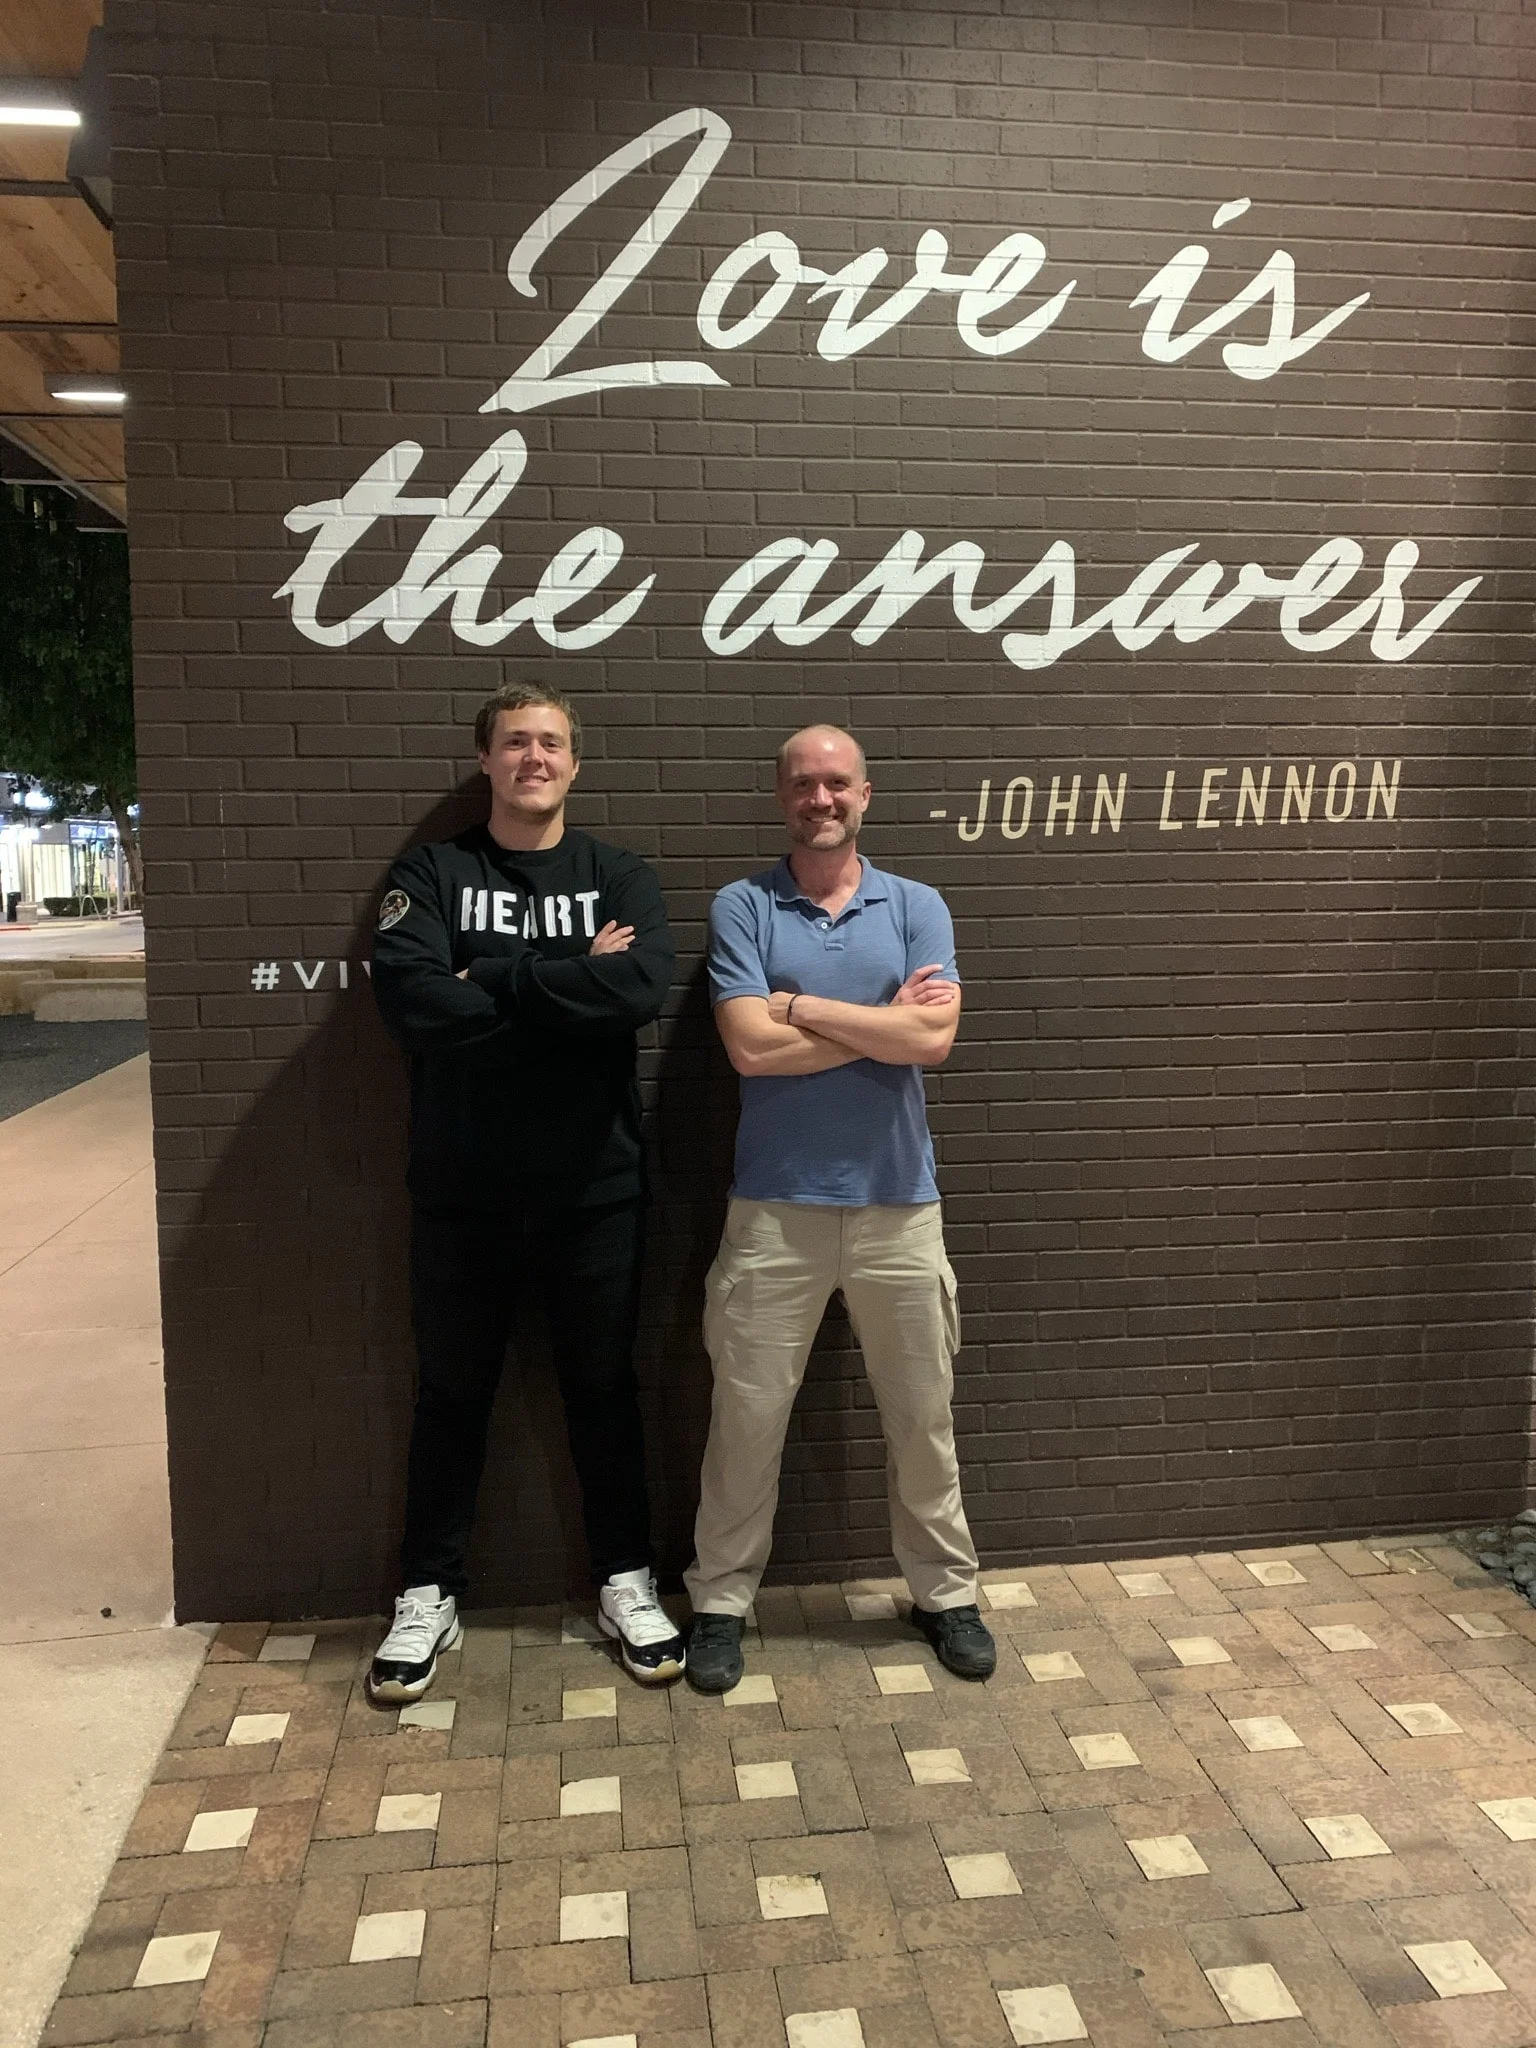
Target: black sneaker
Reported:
[(629, 1611), (714, 1652), (960, 1638), (426, 1622)]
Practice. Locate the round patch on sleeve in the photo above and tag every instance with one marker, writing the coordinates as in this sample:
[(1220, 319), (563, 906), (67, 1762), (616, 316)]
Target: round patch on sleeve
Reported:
[(392, 909)]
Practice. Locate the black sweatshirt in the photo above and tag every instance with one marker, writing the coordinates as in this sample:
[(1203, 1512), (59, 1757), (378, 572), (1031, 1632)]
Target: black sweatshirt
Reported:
[(522, 1076)]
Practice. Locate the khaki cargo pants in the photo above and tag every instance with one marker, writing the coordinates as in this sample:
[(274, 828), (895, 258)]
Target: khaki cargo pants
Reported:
[(777, 1266)]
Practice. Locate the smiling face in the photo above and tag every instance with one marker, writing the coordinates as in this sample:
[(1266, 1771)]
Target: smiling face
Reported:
[(822, 788), (530, 763)]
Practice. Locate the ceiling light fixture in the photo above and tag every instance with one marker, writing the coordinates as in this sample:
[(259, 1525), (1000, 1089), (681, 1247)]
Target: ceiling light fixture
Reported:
[(25, 105), (38, 117), (87, 390)]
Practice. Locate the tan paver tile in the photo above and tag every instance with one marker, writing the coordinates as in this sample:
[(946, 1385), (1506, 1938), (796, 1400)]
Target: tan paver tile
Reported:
[(1346, 1834), (1454, 1968), (987, 1875), (1048, 1667), (1515, 1818), (594, 1916), (902, 1678), (1168, 1856), (1253, 1991), (1144, 1585), (757, 1689), (938, 1767), (1106, 1752), (1042, 2013)]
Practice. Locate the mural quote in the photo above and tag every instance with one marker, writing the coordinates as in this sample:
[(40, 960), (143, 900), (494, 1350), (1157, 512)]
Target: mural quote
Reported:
[(786, 591)]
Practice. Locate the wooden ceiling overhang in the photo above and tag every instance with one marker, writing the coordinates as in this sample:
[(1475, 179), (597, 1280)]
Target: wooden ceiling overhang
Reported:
[(58, 293)]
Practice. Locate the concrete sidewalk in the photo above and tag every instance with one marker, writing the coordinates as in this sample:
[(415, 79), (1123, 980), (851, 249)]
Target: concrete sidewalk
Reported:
[(95, 1674)]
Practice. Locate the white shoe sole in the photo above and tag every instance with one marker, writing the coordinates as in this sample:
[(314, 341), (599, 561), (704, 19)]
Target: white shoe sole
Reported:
[(399, 1692), (646, 1674)]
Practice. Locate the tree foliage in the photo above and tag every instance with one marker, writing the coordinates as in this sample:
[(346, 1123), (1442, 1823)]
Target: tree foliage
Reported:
[(66, 668)]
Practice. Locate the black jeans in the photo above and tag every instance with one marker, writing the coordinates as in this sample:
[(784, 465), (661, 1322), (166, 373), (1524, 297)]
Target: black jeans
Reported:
[(469, 1274)]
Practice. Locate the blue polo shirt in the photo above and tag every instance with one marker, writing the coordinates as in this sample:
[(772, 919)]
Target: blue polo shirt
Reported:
[(856, 1134)]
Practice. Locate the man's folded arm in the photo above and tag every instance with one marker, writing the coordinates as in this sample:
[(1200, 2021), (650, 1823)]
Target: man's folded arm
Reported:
[(897, 1034), (757, 1046), (426, 1007), (595, 995)]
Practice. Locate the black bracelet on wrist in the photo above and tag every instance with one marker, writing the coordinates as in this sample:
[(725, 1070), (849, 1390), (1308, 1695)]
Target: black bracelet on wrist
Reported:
[(789, 1014)]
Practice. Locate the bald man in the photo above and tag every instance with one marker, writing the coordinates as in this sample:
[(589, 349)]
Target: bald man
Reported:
[(834, 985)]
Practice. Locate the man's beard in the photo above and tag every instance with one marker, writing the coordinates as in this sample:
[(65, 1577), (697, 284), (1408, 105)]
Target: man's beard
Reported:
[(805, 834)]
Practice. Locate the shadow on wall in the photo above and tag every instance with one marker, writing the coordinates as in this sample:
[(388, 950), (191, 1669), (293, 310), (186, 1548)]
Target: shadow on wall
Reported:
[(289, 1361)]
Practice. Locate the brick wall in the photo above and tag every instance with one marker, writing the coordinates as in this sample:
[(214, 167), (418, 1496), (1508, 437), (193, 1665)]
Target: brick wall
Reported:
[(1235, 1161)]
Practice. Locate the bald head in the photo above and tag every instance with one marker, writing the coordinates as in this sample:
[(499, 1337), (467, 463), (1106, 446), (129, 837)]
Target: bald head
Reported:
[(822, 787), (814, 737)]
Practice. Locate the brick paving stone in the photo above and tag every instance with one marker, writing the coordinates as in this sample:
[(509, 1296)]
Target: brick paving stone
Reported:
[(1171, 1981), (461, 2025), (365, 1853), (345, 1987), (431, 1890), (324, 1915), (744, 2009), (531, 2021), (965, 1923), (829, 1798), (912, 1866), (559, 1966), (467, 1827), (770, 1944), (961, 1999), (922, 1966), (1377, 1965), (652, 1816), (647, 2010), (527, 1903), (109, 1953), (166, 1812), (663, 1942), (122, 2015), (589, 1834), (456, 1954), (279, 1843)]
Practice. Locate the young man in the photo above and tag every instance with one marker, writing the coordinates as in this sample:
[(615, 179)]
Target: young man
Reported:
[(515, 964), (834, 985)]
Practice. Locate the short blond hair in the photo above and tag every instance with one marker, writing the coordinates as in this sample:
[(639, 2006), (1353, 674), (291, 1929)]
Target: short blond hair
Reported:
[(522, 697)]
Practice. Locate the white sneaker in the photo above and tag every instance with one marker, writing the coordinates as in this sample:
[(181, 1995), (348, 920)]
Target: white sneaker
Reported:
[(426, 1621), (648, 1638)]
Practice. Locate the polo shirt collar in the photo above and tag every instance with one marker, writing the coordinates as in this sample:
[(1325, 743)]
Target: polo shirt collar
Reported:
[(872, 888)]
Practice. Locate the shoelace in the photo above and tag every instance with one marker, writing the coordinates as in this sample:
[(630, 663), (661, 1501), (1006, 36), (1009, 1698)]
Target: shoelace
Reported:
[(962, 1621), (640, 1614), (715, 1628), (416, 1629)]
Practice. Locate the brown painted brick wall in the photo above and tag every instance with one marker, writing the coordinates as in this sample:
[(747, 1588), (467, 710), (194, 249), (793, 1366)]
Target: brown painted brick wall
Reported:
[(1234, 1154)]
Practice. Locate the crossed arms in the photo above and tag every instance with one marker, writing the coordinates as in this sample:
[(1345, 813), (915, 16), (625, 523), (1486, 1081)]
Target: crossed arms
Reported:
[(915, 1028), (617, 986)]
